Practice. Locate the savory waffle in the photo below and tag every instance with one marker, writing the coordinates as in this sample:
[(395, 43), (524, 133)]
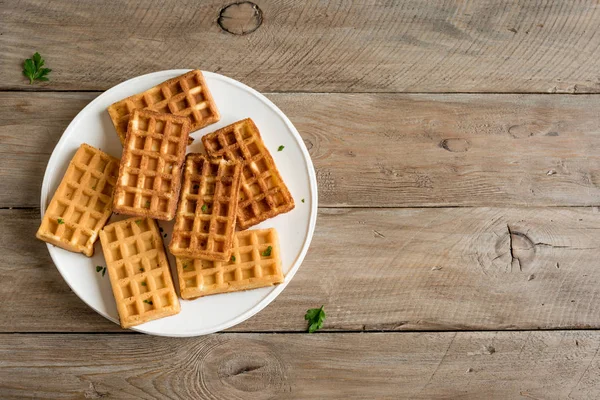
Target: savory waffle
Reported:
[(263, 194), (150, 171), (255, 262), (139, 271), (207, 209), (82, 203), (186, 95)]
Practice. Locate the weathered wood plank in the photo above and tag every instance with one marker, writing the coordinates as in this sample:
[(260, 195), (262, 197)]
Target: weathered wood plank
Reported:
[(30, 282), (466, 365), (408, 46), (375, 269), (381, 149), (30, 126)]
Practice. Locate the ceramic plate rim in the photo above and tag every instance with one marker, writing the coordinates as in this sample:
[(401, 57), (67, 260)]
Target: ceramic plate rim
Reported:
[(312, 187)]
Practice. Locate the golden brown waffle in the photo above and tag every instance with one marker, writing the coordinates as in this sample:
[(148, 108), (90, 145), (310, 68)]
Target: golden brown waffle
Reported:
[(263, 194), (82, 203), (139, 271), (207, 209), (186, 95), (252, 265), (150, 171)]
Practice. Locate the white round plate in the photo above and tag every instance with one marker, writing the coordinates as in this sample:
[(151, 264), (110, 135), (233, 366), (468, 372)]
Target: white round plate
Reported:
[(235, 101)]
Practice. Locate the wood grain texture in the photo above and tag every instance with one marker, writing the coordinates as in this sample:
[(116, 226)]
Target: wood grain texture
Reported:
[(375, 269), (480, 365), (30, 126), (453, 252), (398, 150), (334, 46)]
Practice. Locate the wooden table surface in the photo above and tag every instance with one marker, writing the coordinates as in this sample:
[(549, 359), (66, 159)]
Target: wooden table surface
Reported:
[(457, 150)]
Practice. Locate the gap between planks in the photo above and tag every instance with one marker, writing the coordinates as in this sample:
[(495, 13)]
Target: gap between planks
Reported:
[(66, 91), (290, 332)]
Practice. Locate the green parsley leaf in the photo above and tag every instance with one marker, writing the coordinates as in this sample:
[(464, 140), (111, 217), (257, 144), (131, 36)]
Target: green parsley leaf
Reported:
[(143, 283), (148, 302), (60, 221), (104, 271), (315, 318), (185, 265), (267, 252), (280, 148), (138, 221), (147, 204), (232, 258), (204, 208), (302, 200), (98, 268), (32, 69)]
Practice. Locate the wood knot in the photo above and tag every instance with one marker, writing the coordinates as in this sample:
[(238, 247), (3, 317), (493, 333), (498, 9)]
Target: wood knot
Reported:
[(524, 131), (455, 145), (234, 374), (251, 373), (309, 144), (521, 248), (240, 18)]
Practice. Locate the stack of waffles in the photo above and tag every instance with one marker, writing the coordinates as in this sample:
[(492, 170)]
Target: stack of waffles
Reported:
[(213, 200), (211, 257)]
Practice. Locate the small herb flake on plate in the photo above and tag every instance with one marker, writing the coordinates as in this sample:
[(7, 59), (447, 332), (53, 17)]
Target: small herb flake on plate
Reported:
[(267, 252), (204, 208), (98, 268), (302, 200), (148, 301), (232, 258), (60, 221), (280, 148)]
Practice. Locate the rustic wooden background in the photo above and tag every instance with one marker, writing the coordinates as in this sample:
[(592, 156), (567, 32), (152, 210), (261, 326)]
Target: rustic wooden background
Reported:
[(457, 148)]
